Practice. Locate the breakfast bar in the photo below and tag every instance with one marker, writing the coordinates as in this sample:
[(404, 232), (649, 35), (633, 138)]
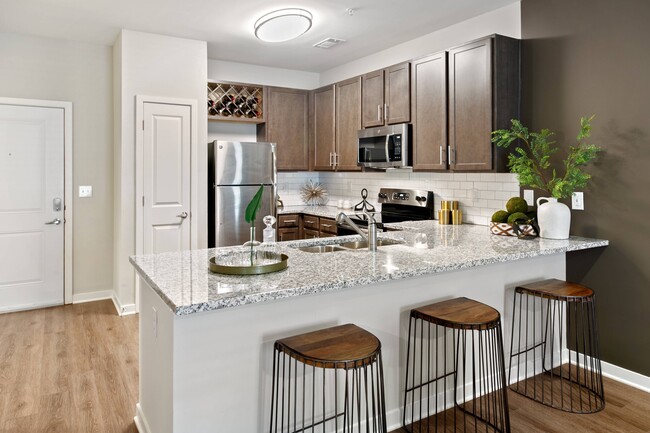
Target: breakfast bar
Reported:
[(206, 340)]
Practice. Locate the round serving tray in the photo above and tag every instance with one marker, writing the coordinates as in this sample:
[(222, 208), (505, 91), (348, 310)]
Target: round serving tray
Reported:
[(248, 270)]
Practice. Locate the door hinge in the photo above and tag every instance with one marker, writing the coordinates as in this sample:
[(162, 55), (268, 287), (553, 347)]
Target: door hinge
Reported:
[(142, 201), (143, 125)]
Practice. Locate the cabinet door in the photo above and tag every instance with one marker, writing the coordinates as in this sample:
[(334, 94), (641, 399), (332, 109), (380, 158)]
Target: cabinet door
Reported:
[(323, 134), (290, 234), (311, 234), (287, 125), (398, 94), (429, 102), (348, 123), (327, 225), (470, 106), (372, 91)]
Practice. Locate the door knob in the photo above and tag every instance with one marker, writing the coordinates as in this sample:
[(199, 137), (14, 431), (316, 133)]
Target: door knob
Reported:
[(182, 215), (55, 221)]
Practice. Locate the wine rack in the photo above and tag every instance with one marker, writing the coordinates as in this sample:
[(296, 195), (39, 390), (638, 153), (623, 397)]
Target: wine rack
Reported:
[(235, 102)]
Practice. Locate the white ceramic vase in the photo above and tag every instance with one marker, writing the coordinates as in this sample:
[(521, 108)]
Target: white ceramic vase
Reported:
[(554, 218)]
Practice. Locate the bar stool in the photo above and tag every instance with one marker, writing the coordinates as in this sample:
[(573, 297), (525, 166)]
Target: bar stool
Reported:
[(555, 340), (454, 360), (331, 379)]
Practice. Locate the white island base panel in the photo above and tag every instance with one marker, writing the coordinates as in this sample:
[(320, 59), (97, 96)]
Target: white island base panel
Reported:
[(211, 372)]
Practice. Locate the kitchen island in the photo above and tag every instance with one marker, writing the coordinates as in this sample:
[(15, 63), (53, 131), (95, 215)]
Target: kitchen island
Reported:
[(206, 340)]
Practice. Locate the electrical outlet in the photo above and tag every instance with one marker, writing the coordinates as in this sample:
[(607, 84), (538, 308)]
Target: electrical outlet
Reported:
[(578, 201), (529, 196), (85, 191)]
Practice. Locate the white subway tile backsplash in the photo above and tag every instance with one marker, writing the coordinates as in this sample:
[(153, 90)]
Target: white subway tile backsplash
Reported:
[(490, 190)]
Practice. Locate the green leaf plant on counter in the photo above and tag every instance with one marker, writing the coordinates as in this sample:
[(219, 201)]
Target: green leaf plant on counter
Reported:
[(532, 162), (251, 213)]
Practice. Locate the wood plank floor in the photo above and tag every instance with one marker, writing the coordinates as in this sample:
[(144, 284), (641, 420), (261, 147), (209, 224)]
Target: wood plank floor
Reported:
[(71, 369), (627, 410), (74, 369)]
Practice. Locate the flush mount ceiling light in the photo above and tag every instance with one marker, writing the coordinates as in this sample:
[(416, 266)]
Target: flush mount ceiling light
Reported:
[(283, 25)]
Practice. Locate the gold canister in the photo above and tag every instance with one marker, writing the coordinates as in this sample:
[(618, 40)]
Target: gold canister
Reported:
[(444, 216), (456, 217), (454, 205), (445, 205)]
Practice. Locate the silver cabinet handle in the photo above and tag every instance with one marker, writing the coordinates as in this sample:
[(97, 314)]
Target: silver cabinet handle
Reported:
[(289, 221), (55, 221), (385, 111), (182, 215), (378, 112), (440, 155), (451, 151)]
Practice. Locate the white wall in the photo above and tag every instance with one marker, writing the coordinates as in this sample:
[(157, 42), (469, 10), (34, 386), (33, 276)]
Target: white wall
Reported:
[(219, 70), (40, 68), (152, 65), (505, 21)]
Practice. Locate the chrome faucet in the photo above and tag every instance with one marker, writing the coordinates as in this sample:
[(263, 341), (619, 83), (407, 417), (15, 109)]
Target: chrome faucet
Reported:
[(371, 237)]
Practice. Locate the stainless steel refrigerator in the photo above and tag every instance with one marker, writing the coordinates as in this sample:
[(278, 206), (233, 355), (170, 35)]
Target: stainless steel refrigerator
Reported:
[(237, 171)]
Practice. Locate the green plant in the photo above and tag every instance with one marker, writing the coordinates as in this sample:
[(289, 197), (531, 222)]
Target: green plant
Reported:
[(251, 211), (532, 162)]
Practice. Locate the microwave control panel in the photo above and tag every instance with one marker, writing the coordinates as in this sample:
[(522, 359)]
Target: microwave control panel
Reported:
[(396, 154)]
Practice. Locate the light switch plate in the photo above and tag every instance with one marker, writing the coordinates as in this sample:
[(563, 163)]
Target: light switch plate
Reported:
[(85, 191), (578, 201), (529, 196)]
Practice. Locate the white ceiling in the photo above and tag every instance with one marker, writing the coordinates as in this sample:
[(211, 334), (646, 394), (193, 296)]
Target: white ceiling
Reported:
[(227, 26)]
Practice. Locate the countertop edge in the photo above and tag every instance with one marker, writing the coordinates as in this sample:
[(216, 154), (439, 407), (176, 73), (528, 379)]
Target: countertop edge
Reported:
[(247, 299)]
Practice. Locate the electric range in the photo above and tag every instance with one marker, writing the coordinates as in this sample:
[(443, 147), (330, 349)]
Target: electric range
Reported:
[(397, 205)]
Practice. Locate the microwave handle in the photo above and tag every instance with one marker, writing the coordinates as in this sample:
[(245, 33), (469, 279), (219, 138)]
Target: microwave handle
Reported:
[(386, 147)]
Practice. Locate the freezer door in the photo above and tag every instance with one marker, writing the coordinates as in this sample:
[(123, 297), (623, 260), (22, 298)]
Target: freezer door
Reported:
[(231, 201), (242, 163)]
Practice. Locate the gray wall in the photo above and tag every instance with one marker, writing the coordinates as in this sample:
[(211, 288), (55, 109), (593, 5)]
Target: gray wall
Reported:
[(591, 56), (40, 68)]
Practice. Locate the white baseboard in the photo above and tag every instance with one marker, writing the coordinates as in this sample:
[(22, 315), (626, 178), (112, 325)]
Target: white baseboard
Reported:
[(25, 307), (140, 421), (79, 298), (627, 377), (620, 374), (123, 310)]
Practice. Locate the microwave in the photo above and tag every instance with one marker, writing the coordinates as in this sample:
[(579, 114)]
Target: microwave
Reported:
[(384, 147)]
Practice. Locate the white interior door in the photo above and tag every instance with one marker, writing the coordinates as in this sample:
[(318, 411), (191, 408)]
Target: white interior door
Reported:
[(166, 183), (31, 207)]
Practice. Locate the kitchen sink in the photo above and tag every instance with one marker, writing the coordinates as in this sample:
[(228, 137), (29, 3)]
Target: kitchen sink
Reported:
[(321, 249), (357, 245), (346, 246)]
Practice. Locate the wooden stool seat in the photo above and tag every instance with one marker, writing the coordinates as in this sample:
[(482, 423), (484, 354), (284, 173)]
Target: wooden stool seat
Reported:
[(344, 346), (459, 313), (456, 345), (554, 349), (556, 289), (328, 380)]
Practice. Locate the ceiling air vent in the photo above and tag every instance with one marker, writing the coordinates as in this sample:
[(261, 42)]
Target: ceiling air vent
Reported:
[(328, 43)]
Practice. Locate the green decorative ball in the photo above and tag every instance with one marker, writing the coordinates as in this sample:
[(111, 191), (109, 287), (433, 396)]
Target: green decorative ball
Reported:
[(516, 204), (517, 215), (500, 216)]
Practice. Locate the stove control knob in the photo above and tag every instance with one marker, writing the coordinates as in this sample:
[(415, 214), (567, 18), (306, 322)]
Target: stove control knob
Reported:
[(420, 199), (382, 195)]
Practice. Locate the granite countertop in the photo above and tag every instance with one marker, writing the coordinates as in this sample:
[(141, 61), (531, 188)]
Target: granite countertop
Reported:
[(185, 283)]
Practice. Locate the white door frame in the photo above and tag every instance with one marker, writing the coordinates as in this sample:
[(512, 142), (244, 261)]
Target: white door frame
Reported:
[(140, 100), (68, 198)]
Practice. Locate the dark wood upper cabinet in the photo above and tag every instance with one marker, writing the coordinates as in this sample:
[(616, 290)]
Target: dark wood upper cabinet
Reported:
[(348, 123), (323, 129), (484, 94), (429, 112), (287, 125), (397, 91), (386, 96)]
